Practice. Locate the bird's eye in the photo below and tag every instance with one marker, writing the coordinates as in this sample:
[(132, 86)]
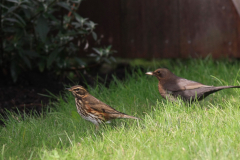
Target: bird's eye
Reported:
[(158, 71), (76, 89)]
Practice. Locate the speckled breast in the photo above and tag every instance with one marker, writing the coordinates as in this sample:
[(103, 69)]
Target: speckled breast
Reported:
[(85, 115)]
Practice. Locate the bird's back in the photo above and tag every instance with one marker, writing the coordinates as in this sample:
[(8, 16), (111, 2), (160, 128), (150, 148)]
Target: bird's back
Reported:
[(98, 105)]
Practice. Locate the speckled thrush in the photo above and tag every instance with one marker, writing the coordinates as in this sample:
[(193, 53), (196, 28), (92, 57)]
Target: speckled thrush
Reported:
[(92, 109)]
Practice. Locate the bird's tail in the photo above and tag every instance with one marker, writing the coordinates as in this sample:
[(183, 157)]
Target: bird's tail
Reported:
[(122, 115), (225, 87), (131, 117)]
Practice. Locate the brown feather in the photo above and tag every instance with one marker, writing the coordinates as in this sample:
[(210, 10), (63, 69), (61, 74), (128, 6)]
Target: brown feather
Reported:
[(92, 109), (171, 86)]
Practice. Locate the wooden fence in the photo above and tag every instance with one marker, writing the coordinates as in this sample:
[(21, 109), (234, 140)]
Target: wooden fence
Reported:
[(167, 28)]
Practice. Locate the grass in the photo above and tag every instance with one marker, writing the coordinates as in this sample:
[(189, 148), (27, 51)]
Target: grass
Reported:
[(207, 129)]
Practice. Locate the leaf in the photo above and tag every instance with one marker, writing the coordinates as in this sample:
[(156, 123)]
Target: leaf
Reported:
[(76, 1), (20, 19), (14, 71), (14, 1), (25, 59), (97, 59), (12, 9), (106, 60), (53, 55), (97, 51), (27, 13), (12, 20), (109, 47), (92, 55), (80, 62), (52, 17), (41, 66), (64, 5), (25, 6), (86, 45), (76, 24), (10, 30), (80, 19), (67, 19), (31, 53), (91, 25), (94, 36), (5, 7), (113, 59), (42, 28)]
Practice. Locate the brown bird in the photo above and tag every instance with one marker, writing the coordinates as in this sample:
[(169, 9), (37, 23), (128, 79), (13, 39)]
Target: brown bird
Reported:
[(171, 86), (92, 109)]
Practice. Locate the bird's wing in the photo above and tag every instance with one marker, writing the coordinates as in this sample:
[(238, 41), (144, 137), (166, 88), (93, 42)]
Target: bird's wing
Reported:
[(99, 106), (184, 84)]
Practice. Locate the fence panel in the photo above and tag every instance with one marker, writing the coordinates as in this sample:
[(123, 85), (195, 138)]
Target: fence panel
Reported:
[(167, 28)]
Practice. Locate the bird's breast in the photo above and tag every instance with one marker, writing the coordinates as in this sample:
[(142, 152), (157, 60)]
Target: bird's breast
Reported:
[(161, 90)]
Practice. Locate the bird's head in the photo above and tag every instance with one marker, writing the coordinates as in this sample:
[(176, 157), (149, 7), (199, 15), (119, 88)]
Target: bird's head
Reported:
[(161, 74), (78, 91)]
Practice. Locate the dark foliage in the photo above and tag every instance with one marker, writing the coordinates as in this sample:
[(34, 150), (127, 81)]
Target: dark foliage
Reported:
[(47, 35)]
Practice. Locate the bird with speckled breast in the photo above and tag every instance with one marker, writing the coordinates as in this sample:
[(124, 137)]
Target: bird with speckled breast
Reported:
[(92, 109)]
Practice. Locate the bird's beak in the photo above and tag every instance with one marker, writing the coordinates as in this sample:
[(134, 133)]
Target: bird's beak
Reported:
[(69, 89), (149, 73)]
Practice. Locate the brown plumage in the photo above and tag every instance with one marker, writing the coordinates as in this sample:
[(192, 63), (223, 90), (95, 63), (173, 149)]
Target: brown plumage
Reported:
[(92, 109), (171, 86)]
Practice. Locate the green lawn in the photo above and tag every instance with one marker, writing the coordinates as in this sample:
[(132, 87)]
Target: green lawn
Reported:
[(208, 129)]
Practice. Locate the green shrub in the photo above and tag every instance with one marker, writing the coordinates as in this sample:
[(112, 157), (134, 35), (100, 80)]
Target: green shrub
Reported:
[(46, 34)]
